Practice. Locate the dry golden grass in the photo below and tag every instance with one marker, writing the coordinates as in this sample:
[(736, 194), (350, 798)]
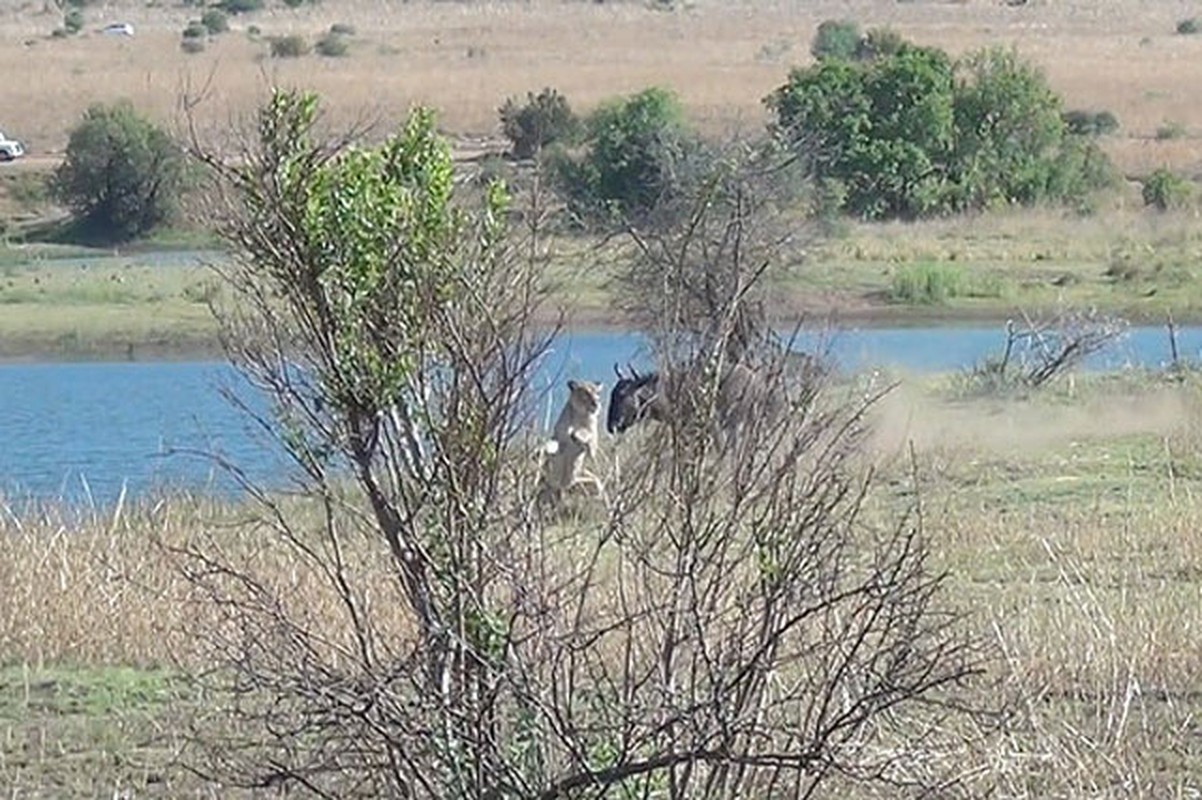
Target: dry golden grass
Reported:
[(465, 58), (1071, 528)]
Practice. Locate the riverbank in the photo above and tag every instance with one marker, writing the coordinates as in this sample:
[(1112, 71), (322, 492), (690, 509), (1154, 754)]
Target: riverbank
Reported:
[(144, 304)]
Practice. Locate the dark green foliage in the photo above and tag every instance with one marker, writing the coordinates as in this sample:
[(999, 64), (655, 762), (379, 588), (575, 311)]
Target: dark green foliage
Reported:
[(544, 119), (912, 134), (215, 21), (192, 46), (195, 30), (879, 43), (73, 21), (883, 129), (122, 175), (836, 39), (1188, 26), (292, 46), (332, 46), (240, 6), (1164, 189), (342, 29), (1088, 123), (633, 145)]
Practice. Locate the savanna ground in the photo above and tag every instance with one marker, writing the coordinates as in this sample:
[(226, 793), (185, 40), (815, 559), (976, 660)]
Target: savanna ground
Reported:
[(1069, 523)]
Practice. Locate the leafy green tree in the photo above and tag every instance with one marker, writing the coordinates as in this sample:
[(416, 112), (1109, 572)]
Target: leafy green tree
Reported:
[(912, 134), (122, 174), (882, 129), (1009, 131), (633, 145)]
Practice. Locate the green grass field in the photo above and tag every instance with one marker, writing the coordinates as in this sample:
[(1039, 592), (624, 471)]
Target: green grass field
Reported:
[(60, 302)]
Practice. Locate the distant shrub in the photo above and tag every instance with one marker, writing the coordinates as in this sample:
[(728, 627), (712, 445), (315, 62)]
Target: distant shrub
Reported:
[(342, 29), (215, 21), (634, 146), (1169, 131), (195, 30), (73, 21), (192, 46), (332, 45), (838, 39), (291, 46), (240, 6), (1165, 189), (879, 43), (254, 31), (542, 120), (1189, 26), (1088, 123), (926, 284)]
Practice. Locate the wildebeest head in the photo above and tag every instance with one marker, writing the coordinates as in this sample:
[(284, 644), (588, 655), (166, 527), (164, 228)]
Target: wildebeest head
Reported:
[(633, 397)]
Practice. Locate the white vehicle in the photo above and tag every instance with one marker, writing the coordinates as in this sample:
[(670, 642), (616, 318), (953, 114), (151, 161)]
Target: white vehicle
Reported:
[(118, 29), (10, 149)]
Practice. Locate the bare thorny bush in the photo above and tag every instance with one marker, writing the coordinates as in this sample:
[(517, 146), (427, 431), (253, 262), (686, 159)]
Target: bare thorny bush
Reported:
[(1039, 351), (728, 627)]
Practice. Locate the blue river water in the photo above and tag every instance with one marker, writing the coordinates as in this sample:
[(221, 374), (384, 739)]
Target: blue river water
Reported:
[(86, 432)]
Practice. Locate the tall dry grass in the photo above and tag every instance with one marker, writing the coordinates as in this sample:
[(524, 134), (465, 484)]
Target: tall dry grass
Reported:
[(1072, 533)]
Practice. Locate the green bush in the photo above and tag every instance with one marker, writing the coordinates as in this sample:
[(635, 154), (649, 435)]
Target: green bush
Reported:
[(342, 29), (215, 21), (332, 45), (73, 21), (836, 39), (1189, 26), (239, 6), (192, 46), (195, 30), (632, 147), (926, 284), (542, 120), (122, 175), (879, 43), (291, 46), (914, 134), (1164, 189), (1088, 123)]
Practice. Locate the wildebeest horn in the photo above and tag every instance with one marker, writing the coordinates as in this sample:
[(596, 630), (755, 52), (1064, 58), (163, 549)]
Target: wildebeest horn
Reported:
[(633, 372), (618, 371)]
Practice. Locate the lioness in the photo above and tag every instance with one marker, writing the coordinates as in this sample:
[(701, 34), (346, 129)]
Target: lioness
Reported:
[(573, 438)]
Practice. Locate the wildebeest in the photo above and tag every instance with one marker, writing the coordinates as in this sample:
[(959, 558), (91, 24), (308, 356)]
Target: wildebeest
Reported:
[(637, 397), (742, 392), (573, 439)]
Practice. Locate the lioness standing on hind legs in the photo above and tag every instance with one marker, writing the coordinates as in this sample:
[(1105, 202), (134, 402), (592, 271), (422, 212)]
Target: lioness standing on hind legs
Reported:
[(573, 439)]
